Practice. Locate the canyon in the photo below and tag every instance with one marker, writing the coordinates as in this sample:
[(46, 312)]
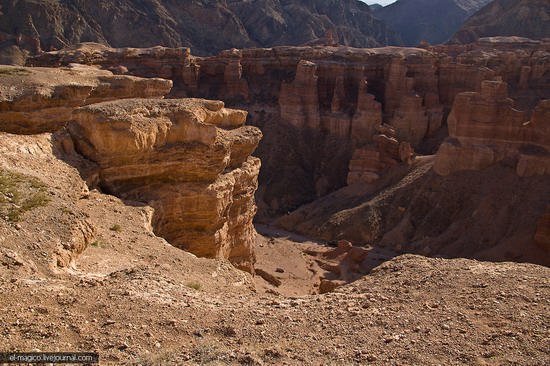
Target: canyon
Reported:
[(289, 205), (342, 126)]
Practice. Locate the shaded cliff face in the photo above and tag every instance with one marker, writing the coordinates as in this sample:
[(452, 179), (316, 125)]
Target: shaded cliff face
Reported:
[(433, 21), (206, 26), (523, 18), (317, 106)]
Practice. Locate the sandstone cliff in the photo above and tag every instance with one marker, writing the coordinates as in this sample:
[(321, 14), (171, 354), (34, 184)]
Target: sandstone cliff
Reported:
[(38, 100), (523, 18), (188, 159), (206, 27), (484, 128), (334, 116), (433, 21), (320, 108)]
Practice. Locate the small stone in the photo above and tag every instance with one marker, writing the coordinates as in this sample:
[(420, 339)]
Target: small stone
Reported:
[(280, 270), (198, 333), (109, 322)]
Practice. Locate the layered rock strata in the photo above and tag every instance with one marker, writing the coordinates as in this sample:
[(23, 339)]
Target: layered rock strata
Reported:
[(318, 105), (189, 159), (484, 128), (372, 160), (162, 62), (522, 63), (37, 100)]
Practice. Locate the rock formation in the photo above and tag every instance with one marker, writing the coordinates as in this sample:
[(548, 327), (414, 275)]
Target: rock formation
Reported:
[(188, 159), (484, 129), (299, 99), (207, 27), (367, 117), (372, 160), (433, 21), (37, 100), (318, 105), (520, 62), (523, 18)]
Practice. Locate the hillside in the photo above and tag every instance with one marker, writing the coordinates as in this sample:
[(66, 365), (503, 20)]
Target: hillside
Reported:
[(206, 26), (427, 20), (524, 18)]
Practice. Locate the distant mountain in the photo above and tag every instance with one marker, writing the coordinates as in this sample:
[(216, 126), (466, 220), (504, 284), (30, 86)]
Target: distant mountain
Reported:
[(207, 26), (434, 21), (524, 18), (375, 6)]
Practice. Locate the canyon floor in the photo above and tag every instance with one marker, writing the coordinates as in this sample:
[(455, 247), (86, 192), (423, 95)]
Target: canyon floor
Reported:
[(137, 300)]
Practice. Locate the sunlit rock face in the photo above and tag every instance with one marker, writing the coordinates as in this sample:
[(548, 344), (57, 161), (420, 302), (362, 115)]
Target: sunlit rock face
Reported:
[(187, 158), (37, 100), (484, 128)]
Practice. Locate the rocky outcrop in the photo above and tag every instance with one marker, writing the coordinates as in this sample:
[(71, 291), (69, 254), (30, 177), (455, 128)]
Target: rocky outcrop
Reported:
[(520, 62), (207, 27), (406, 107), (299, 99), (152, 62), (37, 100), (433, 21), (372, 160), (188, 159), (523, 18), (484, 129)]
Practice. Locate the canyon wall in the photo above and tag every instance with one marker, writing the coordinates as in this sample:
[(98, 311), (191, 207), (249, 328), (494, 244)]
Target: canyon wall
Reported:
[(321, 108), (484, 128), (189, 159)]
